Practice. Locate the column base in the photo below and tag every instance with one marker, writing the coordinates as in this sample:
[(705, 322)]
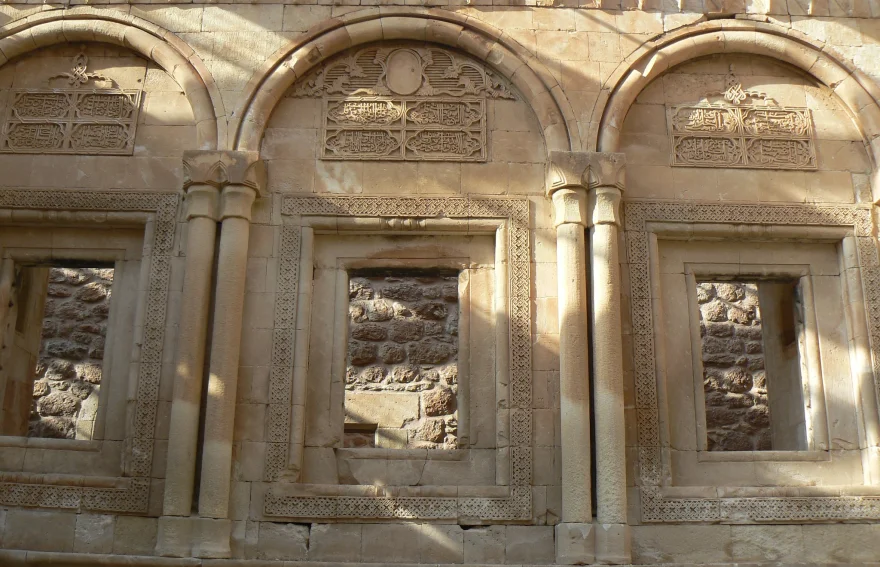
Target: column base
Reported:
[(612, 544), (174, 536), (212, 538), (575, 544)]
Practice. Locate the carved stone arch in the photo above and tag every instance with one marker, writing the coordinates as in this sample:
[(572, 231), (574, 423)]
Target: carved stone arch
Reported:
[(858, 93), (485, 43), (144, 38)]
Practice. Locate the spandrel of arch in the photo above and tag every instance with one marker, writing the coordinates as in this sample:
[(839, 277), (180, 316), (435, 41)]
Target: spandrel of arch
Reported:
[(488, 45), (173, 55)]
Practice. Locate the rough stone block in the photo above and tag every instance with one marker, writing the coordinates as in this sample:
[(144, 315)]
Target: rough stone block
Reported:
[(37, 530), (283, 541), (575, 544), (530, 545), (335, 542), (93, 533)]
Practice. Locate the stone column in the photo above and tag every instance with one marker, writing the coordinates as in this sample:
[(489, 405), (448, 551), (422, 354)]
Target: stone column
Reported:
[(574, 535), (202, 182), (604, 178), (244, 177)]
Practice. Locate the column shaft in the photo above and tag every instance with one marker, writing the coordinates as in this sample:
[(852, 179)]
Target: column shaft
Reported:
[(608, 376), (190, 361), (574, 386), (225, 351)]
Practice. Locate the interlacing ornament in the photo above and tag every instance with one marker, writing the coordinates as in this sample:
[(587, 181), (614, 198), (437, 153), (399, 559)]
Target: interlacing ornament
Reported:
[(740, 128), (133, 494), (656, 507), (73, 119), (403, 103), (518, 505)]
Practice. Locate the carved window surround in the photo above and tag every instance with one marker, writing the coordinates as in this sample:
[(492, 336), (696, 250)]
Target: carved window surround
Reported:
[(129, 491), (661, 502), (508, 220)]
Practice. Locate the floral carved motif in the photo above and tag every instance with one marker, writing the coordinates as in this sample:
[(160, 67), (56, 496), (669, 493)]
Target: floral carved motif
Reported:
[(401, 103), (72, 120), (739, 128)]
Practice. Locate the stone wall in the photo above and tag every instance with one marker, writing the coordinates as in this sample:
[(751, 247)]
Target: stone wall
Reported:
[(68, 373), (402, 373), (734, 379)]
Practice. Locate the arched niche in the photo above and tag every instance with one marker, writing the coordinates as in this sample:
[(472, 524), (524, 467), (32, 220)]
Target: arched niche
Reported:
[(404, 117)]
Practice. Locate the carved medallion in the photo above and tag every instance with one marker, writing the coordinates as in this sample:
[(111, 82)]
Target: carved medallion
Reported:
[(72, 120), (743, 129), (404, 103)]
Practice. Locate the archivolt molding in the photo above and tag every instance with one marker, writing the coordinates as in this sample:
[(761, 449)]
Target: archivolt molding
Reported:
[(858, 93), (491, 45), (178, 59)]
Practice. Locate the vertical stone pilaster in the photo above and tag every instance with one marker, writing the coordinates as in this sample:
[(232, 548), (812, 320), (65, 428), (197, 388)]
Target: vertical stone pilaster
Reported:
[(219, 186), (605, 179), (586, 190), (574, 536)]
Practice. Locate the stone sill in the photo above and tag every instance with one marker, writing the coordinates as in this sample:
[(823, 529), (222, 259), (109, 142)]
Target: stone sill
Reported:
[(404, 454), (41, 443), (751, 456)]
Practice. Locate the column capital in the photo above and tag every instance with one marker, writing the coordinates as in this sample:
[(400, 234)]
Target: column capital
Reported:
[(221, 168), (585, 170)]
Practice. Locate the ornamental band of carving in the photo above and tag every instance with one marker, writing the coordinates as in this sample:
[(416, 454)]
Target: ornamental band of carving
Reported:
[(659, 508), (133, 495), (403, 103), (728, 133), (518, 505), (72, 120)]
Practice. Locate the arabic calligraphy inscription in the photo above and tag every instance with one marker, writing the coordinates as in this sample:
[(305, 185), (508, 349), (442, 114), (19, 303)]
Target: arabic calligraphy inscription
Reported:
[(744, 129)]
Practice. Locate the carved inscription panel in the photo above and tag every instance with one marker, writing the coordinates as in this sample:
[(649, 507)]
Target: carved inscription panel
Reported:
[(403, 103), (72, 120), (732, 133)]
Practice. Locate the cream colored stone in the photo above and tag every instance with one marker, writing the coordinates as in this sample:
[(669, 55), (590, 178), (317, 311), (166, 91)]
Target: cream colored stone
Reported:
[(390, 410)]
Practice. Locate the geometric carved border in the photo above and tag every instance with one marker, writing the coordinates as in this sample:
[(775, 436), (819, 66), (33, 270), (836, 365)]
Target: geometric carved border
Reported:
[(656, 507), (133, 496), (518, 505)]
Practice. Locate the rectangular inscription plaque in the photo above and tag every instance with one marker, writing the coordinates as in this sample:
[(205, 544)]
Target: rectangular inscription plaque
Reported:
[(424, 129), (62, 121), (759, 137)]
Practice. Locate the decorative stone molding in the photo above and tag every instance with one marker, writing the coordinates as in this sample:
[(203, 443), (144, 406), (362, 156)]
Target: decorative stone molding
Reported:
[(145, 38), (129, 494), (656, 505), (600, 173), (304, 501), (759, 38), (485, 43), (221, 168)]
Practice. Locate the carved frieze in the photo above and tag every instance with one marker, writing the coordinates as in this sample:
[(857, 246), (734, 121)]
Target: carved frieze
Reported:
[(739, 128), (403, 103), (72, 119)]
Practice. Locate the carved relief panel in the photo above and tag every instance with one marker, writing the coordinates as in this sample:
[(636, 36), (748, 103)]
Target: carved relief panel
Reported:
[(744, 129), (403, 103), (77, 118)]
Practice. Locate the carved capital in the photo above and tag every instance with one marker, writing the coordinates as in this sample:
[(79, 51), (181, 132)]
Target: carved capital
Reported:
[(606, 170), (604, 205), (202, 201), (586, 170), (221, 168), (236, 201), (570, 206)]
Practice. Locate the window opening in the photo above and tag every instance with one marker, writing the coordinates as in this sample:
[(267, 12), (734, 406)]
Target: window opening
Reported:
[(54, 351), (402, 372), (752, 343)]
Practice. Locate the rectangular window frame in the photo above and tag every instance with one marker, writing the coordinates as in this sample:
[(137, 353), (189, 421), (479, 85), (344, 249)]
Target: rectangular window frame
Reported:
[(814, 404)]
